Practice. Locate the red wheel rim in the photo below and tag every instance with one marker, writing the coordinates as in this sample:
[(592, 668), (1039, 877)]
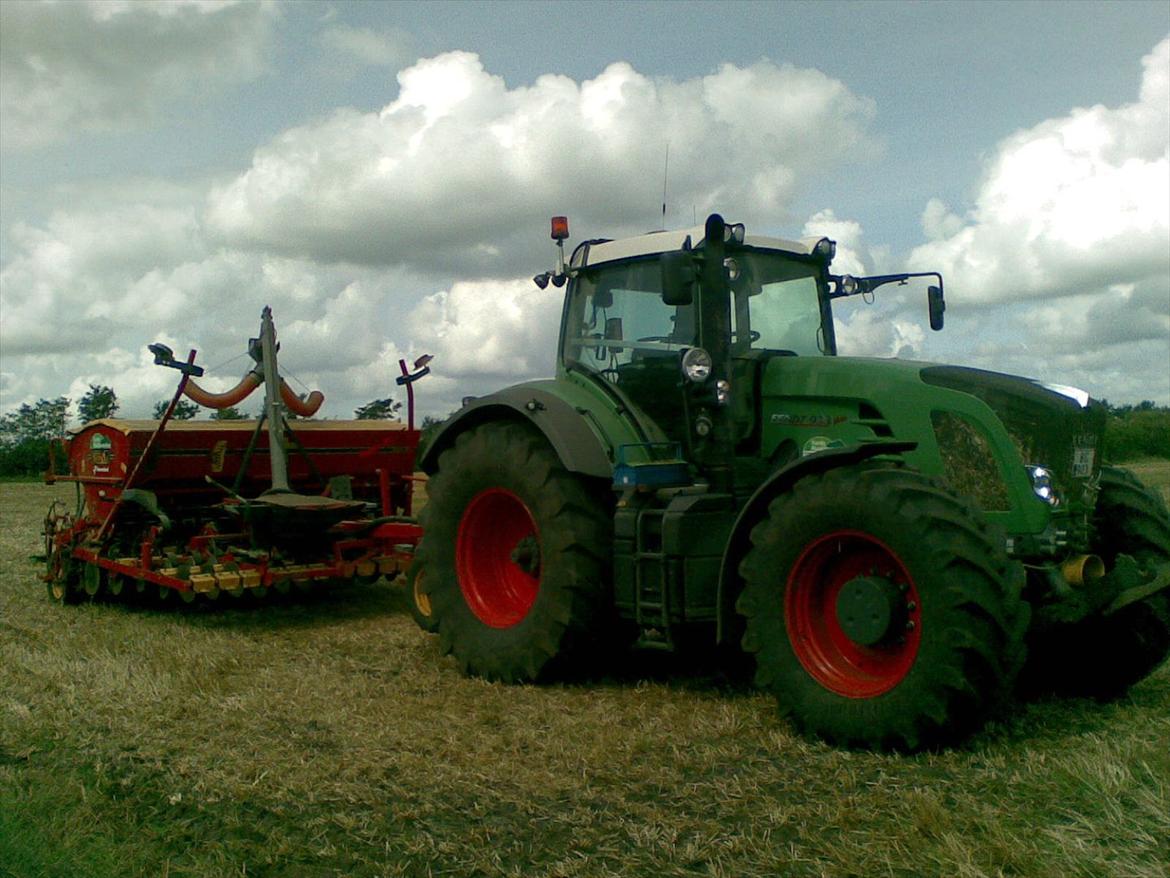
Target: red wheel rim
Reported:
[(835, 661), (497, 589)]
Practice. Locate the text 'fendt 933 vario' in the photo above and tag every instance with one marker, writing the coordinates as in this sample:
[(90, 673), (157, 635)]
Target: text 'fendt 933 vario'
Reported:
[(233, 507), (888, 540)]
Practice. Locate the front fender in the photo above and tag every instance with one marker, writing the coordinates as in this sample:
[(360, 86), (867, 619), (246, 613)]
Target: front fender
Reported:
[(579, 447), (738, 541)]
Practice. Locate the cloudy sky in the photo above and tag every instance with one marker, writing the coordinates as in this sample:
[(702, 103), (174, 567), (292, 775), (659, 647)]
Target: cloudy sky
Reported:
[(382, 174)]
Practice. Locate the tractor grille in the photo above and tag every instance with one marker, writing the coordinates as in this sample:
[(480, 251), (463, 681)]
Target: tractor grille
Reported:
[(967, 461)]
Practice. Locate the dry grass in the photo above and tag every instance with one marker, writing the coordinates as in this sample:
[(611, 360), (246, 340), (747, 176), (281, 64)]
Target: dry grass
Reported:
[(327, 737)]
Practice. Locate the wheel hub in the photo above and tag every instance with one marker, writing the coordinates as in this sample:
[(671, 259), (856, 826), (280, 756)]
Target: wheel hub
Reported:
[(870, 609), (851, 610), (526, 555)]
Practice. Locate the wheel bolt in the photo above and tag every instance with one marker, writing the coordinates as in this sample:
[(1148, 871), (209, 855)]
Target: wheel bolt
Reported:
[(910, 625), (911, 606)]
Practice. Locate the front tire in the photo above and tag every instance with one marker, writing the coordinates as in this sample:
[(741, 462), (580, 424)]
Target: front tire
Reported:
[(1102, 656), (881, 609), (516, 551)]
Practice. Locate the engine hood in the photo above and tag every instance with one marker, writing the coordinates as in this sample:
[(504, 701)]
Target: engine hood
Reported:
[(990, 386)]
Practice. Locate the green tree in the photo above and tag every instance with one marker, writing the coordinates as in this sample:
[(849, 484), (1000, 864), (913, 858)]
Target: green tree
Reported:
[(231, 413), (27, 434), (45, 419), (1136, 432), (377, 410), (99, 402), (185, 410)]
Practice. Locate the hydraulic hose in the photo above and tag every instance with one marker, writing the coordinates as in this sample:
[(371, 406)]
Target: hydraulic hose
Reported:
[(226, 399), (304, 408)]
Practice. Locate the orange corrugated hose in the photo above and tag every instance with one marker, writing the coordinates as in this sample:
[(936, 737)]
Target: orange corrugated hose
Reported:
[(304, 408), (223, 400)]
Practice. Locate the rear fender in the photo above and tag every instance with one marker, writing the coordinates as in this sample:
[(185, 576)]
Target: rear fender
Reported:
[(738, 542), (580, 449)]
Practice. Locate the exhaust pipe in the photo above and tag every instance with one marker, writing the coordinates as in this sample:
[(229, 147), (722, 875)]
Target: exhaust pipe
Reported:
[(1082, 569)]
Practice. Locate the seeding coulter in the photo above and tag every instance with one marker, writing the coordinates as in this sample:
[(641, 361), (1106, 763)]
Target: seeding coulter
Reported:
[(211, 508)]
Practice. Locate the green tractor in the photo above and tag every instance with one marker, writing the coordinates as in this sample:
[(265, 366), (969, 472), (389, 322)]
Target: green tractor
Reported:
[(897, 545)]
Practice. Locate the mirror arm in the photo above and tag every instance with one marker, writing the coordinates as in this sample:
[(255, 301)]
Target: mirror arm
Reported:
[(869, 284)]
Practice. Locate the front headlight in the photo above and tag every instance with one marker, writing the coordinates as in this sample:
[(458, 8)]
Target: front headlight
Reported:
[(1042, 485), (696, 365)]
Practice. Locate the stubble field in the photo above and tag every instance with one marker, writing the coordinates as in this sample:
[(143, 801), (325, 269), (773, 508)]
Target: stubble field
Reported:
[(327, 737)]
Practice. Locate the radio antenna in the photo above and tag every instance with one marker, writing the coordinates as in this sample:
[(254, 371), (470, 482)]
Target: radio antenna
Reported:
[(665, 168)]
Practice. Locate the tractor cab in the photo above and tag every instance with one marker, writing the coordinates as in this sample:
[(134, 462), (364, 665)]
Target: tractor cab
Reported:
[(679, 331)]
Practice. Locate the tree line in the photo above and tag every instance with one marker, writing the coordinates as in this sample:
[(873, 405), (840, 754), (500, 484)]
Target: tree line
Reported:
[(1136, 431), (28, 434), (1132, 432)]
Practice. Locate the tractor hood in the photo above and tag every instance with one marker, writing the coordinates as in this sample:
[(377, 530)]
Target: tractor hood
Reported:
[(993, 386), (1057, 428)]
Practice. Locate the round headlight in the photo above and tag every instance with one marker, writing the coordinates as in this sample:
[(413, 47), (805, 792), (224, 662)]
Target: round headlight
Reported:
[(696, 365), (732, 269), (1042, 485)]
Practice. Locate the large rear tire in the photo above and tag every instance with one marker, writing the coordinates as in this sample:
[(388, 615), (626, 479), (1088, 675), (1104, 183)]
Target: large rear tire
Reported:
[(1104, 655), (881, 609), (516, 551)]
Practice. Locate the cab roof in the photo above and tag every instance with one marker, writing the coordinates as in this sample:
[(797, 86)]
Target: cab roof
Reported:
[(653, 243)]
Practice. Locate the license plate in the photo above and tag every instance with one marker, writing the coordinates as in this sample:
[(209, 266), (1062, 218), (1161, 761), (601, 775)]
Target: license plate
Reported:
[(1082, 466)]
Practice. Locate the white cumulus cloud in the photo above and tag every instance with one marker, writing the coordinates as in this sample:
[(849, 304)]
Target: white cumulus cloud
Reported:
[(97, 66), (1061, 269), (459, 172), (1070, 206)]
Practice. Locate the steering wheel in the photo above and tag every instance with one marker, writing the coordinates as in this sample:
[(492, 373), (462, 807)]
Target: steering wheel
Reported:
[(753, 336), (664, 338)]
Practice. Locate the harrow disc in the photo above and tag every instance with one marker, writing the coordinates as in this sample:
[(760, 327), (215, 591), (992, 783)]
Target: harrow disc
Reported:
[(93, 580), (62, 576)]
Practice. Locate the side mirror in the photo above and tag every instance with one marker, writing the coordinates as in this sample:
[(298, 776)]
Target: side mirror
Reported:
[(937, 306), (679, 275)]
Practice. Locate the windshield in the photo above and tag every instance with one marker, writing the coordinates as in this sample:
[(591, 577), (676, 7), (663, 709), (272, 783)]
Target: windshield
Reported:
[(617, 318), (776, 304)]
